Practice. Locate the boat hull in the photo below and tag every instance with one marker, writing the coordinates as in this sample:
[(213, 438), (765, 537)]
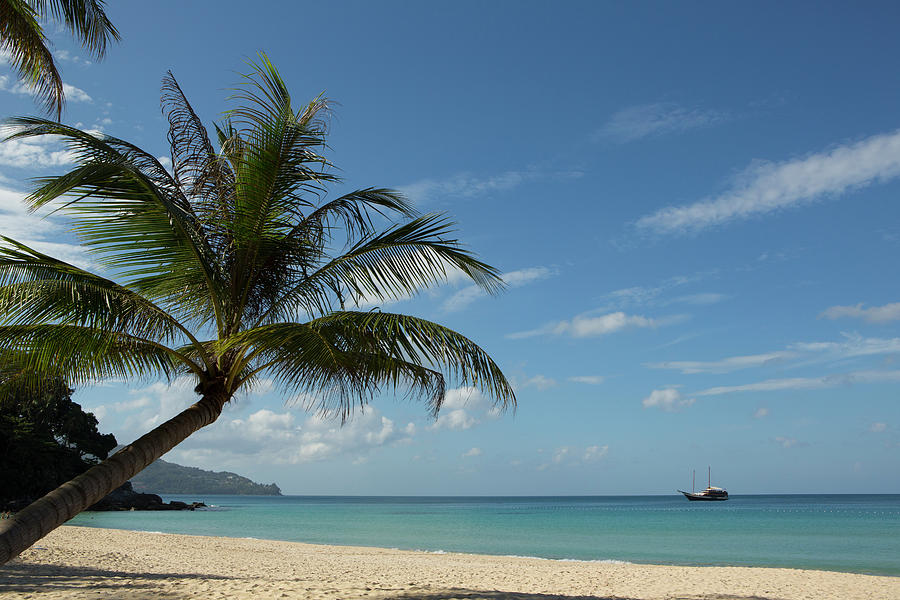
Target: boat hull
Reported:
[(703, 497)]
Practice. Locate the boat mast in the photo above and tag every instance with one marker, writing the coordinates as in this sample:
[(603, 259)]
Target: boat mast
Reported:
[(709, 477), (693, 480)]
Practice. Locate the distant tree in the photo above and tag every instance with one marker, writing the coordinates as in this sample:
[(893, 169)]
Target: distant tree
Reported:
[(46, 439), (22, 38), (232, 266)]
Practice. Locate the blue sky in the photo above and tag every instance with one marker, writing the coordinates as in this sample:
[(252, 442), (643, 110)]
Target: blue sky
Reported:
[(695, 206)]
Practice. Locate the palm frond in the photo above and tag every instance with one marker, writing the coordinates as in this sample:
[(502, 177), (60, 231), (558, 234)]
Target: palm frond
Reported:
[(36, 288), (348, 356), (83, 355), (205, 176), (23, 39), (129, 211), (395, 264), (86, 19)]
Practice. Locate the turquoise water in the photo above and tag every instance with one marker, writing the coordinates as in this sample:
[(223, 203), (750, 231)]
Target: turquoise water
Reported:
[(840, 533)]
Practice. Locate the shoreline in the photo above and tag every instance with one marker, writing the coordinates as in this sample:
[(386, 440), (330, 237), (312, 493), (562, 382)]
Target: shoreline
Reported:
[(76, 562)]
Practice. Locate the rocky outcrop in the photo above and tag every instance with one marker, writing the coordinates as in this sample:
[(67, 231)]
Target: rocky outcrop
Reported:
[(125, 498)]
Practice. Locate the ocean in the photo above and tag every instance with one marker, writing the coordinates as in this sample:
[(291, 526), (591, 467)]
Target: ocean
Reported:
[(854, 533)]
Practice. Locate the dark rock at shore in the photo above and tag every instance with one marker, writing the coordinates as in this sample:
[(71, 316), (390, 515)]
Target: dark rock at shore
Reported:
[(125, 498), (122, 498)]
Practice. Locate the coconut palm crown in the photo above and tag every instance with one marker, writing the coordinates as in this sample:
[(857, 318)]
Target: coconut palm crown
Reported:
[(230, 267)]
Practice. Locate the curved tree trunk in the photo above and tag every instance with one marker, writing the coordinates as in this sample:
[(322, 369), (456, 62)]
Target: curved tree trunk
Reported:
[(46, 514)]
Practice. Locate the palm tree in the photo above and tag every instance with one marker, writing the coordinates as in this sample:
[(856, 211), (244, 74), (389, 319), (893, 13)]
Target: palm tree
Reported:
[(231, 267), (23, 39)]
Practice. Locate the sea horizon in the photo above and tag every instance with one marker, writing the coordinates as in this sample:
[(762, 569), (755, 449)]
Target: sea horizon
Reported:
[(857, 533)]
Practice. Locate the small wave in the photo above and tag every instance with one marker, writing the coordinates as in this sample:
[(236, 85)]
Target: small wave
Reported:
[(606, 561)]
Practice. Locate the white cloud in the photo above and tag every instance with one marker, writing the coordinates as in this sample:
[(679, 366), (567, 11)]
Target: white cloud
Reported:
[(646, 120), (761, 413), (725, 365), (472, 452), (464, 408), (878, 427), (788, 442), (667, 399), (538, 381), (74, 94), (769, 187), (594, 453), (66, 56), (466, 185), (457, 419), (585, 325), (875, 314), (588, 379), (266, 436), (37, 152), (71, 92), (35, 229), (560, 454), (513, 279)]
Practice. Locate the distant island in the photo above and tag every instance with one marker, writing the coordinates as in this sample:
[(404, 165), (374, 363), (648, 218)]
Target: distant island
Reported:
[(163, 477)]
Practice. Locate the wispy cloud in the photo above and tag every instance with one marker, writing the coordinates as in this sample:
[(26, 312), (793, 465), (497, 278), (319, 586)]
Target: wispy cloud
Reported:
[(539, 382), (656, 295), (878, 427), (587, 325), (702, 299), (513, 279), (661, 118), (761, 413), (789, 442), (805, 383), (768, 187), (572, 456), (67, 56), (588, 379), (800, 353), (467, 185), (725, 365), (874, 314)]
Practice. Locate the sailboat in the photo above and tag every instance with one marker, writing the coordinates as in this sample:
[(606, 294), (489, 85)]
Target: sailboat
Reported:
[(709, 494)]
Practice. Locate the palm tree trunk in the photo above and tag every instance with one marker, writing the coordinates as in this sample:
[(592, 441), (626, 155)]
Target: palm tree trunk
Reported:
[(46, 514)]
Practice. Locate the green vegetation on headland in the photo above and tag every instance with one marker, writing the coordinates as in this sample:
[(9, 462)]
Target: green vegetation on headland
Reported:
[(163, 477), (45, 440)]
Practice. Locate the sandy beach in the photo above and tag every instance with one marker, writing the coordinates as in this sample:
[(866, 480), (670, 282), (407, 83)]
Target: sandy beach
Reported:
[(81, 562)]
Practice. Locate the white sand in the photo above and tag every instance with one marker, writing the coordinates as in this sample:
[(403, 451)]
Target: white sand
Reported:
[(81, 562)]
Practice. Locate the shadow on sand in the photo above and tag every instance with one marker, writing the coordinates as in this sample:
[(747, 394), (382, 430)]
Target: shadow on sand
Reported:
[(19, 578), (36, 579)]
